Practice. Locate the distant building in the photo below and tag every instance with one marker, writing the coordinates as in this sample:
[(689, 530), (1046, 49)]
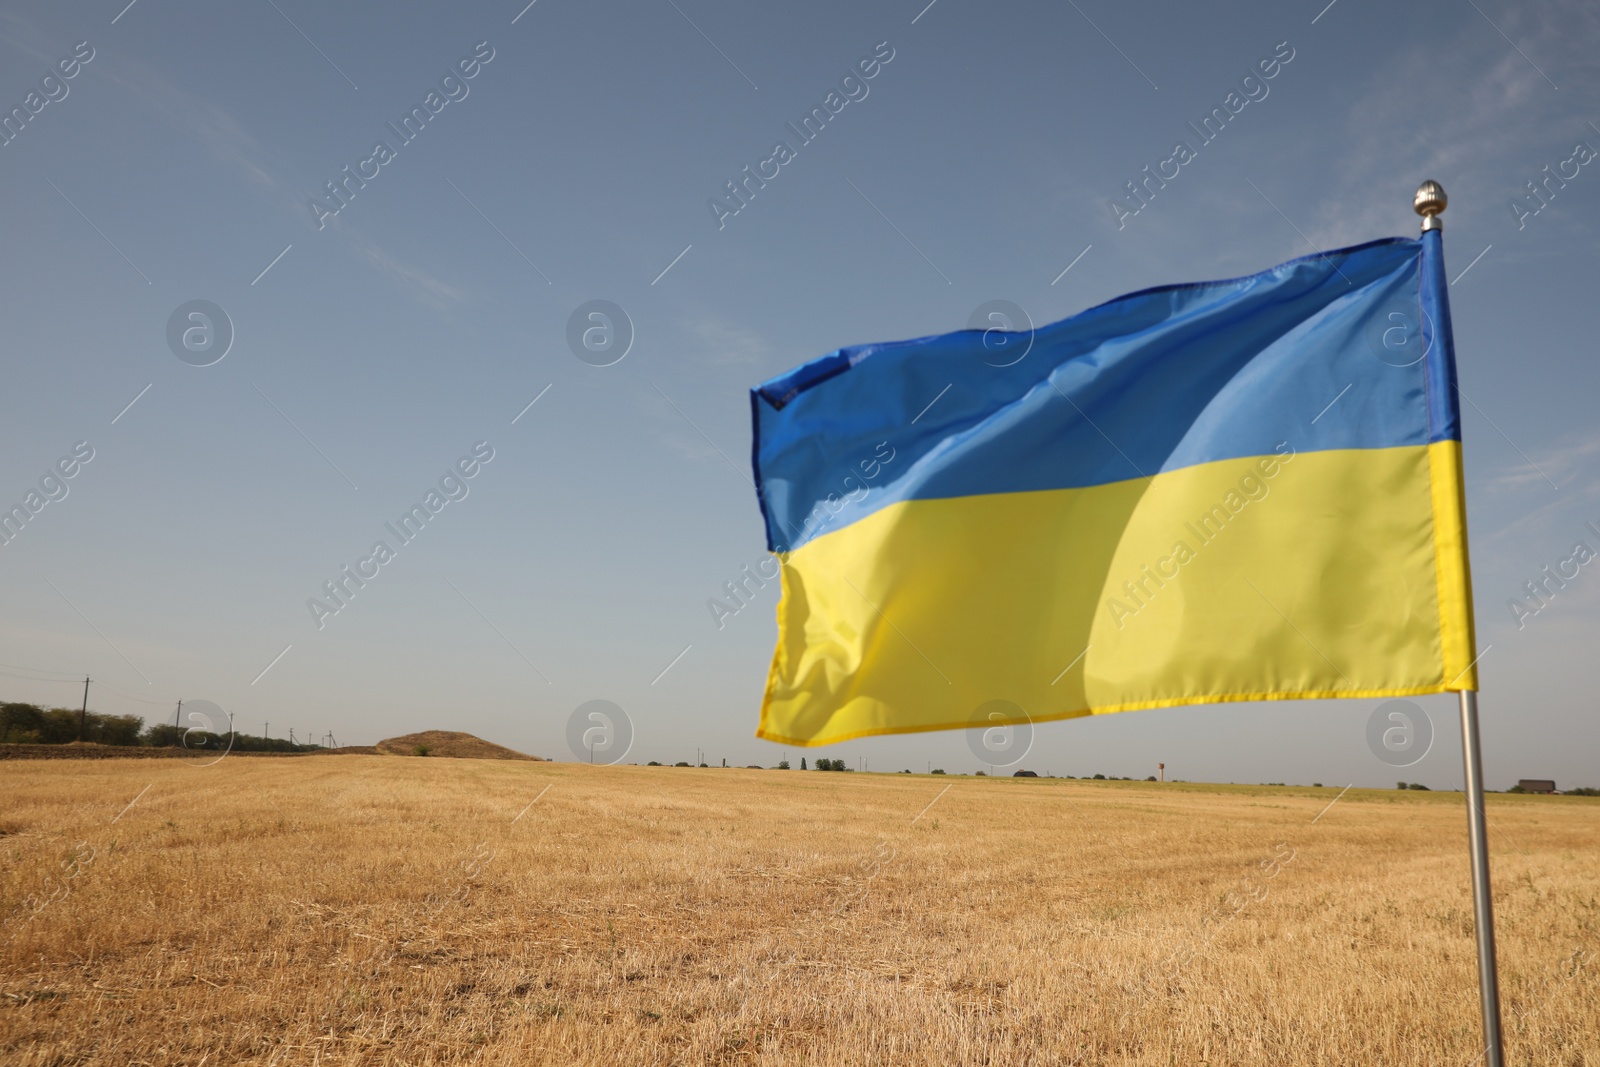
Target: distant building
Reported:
[(1536, 785)]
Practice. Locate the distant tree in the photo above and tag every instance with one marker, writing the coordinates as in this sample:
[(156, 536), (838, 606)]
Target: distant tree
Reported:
[(21, 724), (981, 774), (1516, 789), (1316, 785), (162, 735), (1401, 785), (653, 763), (1151, 778), (1419, 785), (61, 726), (783, 765), (28, 723), (1584, 791), (115, 729), (802, 763), (681, 763), (937, 770), (1099, 777)]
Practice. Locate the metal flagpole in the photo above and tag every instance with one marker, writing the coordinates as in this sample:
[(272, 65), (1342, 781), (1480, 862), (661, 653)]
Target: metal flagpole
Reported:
[(1429, 202), (1482, 902)]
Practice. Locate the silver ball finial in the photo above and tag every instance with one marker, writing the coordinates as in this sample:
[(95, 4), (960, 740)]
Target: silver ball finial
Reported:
[(1429, 202)]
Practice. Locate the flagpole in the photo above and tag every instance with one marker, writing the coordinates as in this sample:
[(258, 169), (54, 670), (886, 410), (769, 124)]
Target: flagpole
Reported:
[(1482, 902), (1429, 202)]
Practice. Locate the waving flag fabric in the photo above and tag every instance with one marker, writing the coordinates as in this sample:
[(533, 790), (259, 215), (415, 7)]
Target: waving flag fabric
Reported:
[(1235, 490)]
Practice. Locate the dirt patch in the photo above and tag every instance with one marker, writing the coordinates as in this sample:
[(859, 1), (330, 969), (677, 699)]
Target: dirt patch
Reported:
[(449, 743)]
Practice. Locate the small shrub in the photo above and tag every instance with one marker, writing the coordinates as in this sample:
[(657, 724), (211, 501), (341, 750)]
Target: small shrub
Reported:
[(420, 750)]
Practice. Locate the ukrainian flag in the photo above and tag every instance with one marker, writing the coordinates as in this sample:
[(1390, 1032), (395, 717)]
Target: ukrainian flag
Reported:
[(1236, 490)]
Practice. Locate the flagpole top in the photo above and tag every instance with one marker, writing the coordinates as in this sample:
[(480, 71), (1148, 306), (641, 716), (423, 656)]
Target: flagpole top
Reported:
[(1430, 201)]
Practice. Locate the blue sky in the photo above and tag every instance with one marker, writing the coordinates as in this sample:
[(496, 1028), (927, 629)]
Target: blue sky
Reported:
[(577, 163)]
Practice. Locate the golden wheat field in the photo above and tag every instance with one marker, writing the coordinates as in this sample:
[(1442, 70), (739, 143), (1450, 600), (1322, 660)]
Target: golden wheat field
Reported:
[(378, 909)]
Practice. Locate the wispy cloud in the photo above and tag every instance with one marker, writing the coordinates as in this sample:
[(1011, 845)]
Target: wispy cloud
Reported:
[(431, 290), (1536, 512), (236, 149), (721, 343), (1571, 464), (1400, 130), (203, 121), (24, 36)]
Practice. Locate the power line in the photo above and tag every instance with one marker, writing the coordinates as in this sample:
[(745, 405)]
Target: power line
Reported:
[(31, 678), (40, 670), (48, 681), (70, 680), (129, 696)]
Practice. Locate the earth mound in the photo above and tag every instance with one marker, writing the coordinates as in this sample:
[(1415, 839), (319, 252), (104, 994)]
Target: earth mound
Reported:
[(448, 743)]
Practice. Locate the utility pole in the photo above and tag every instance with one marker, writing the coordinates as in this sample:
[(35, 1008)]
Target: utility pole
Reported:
[(176, 714), (83, 716)]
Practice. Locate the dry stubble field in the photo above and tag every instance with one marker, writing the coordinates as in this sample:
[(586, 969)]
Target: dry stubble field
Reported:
[(373, 909)]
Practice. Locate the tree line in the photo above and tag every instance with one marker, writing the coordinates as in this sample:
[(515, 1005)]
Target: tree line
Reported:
[(29, 724)]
